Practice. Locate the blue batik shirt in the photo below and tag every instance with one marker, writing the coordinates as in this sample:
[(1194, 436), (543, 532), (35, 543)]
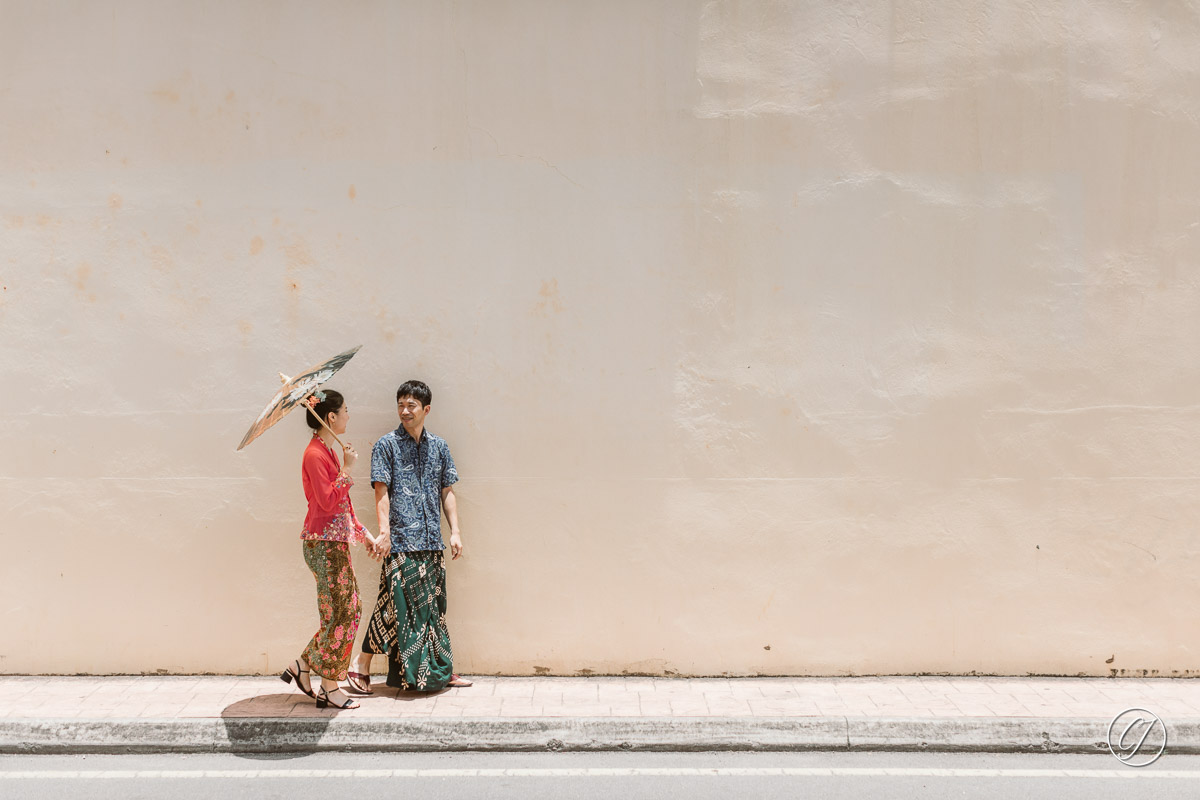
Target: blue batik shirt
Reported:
[(415, 474)]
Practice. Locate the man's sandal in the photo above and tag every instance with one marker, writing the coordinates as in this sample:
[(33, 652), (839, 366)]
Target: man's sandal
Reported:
[(293, 673), (323, 700), (360, 683), (459, 682)]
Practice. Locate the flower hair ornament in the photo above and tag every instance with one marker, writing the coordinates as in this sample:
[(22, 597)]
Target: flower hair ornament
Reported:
[(314, 398)]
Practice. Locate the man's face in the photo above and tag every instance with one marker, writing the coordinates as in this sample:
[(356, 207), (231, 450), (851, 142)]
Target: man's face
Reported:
[(412, 413)]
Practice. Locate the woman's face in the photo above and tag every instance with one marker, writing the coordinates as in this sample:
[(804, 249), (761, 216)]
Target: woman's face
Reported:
[(338, 420)]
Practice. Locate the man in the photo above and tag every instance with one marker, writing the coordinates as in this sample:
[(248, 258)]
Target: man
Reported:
[(413, 475)]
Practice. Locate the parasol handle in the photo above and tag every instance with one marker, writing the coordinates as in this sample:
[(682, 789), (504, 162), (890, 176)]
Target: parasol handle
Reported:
[(323, 425)]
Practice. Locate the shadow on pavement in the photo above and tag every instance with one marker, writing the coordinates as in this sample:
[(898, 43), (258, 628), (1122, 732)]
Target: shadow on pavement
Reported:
[(383, 690), (289, 725), (256, 729)]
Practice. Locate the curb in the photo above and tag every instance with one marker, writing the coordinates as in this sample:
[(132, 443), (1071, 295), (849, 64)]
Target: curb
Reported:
[(578, 734)]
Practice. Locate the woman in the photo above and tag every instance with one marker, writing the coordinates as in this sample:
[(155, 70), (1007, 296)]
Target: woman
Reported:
[(329, 530)]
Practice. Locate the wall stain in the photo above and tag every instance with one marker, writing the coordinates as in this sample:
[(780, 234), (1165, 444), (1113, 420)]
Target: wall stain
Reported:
[(353, 193), (256, 246), (160, 258), (115, 201), (387, 325), (299, 257), (81, 281), (550, 298), (166, 94)]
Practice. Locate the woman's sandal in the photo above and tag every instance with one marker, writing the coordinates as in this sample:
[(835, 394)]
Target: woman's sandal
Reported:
[(459, 682), (291, 674), (359, 682), (323, 700)]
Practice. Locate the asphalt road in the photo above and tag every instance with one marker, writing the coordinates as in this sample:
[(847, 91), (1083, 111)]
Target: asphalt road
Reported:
[(600, 776)]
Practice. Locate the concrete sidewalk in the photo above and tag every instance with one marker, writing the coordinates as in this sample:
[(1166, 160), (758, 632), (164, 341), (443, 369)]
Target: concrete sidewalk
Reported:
[(264, 715)]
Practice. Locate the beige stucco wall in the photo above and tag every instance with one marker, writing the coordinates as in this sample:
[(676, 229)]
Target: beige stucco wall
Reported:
[(814, 337)]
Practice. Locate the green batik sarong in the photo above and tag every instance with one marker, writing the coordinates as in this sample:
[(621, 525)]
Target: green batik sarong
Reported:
[(409, 621)]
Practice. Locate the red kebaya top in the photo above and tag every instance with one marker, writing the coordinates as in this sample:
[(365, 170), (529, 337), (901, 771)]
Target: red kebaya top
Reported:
[(330, 514)]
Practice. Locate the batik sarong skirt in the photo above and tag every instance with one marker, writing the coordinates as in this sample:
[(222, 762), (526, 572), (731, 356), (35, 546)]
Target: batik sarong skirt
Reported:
[(328, 654), (409, 622)]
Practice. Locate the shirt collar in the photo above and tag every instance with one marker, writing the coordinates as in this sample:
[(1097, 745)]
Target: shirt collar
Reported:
[(403, 434)]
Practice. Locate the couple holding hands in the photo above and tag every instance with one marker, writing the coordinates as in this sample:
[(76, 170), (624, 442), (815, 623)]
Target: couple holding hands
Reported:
[(413, 475)]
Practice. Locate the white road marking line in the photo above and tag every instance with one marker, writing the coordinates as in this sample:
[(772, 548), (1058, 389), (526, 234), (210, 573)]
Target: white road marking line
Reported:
[(596, 772)]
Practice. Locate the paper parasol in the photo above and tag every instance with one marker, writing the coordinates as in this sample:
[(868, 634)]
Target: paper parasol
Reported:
[(293, 392)]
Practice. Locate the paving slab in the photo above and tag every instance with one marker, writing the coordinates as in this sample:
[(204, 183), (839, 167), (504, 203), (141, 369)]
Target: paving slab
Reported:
[(261, 714)]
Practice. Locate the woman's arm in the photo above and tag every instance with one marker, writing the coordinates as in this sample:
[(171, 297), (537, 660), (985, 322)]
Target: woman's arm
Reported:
[(330, 485)]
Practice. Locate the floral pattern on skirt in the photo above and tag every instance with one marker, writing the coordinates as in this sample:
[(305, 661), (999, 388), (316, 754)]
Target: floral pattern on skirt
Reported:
[(328, 654), (409, 622)]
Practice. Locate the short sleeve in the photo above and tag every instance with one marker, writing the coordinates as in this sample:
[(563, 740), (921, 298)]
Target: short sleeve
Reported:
[(381, 463), (449, 472)]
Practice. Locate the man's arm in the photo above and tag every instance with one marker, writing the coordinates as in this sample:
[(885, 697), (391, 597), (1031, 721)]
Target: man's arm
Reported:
[(383, 513), (451, 505), (381, 472)]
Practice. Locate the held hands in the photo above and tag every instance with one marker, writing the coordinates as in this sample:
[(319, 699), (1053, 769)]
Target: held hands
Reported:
[(380, 546)]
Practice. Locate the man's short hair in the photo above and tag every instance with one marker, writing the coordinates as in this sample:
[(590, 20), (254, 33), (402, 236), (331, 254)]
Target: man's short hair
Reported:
[(416, 390)]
